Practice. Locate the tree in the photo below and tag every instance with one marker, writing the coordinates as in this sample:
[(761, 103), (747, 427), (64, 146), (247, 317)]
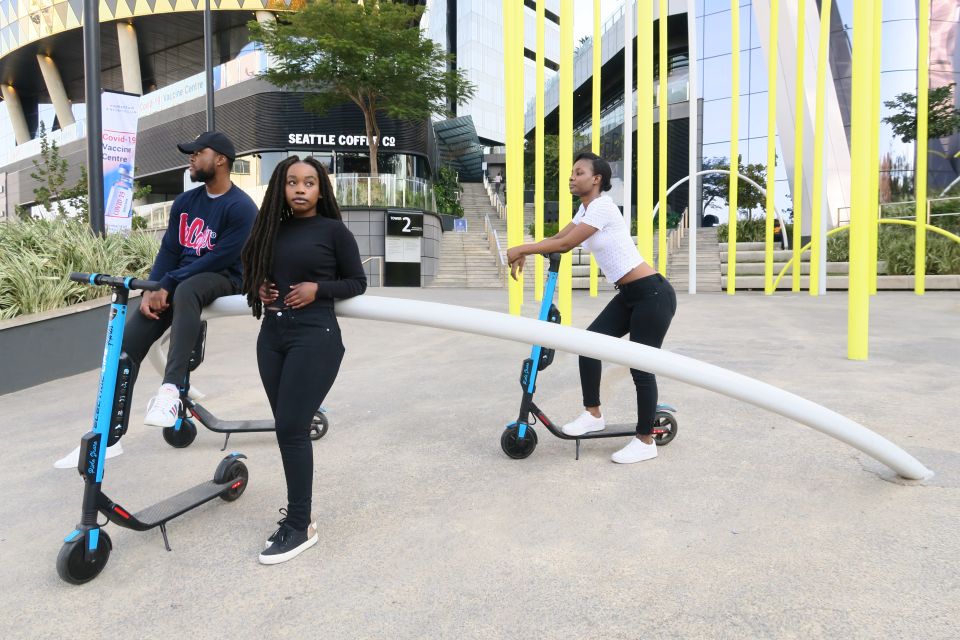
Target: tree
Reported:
[(374, 56), (551, 164), (716, 186), (50, 170), (943, 118)]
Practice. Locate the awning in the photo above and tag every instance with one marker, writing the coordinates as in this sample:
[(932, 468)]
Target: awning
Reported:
[(459, 147)]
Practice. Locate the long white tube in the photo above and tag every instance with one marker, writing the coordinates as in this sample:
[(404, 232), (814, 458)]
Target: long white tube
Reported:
[(628, 354), (763, 192)]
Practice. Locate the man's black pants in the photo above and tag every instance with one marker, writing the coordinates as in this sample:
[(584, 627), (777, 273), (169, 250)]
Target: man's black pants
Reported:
[(182, 317)]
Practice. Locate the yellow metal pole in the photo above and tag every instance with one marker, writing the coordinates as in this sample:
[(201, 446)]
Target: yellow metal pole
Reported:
[(595, 129), (875, 145), (772, 65), (663, 110), (538, 154), (734, 147), (923, 105), (799, 113), (565, 280), (644, 151), (513, 90), (816, 206), (858, 295)]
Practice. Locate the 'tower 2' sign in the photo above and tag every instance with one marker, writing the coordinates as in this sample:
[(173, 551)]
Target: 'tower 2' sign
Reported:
[(335, 140)]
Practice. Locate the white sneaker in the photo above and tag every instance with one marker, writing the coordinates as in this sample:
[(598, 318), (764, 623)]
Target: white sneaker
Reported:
[(584, 424), (71, 460), (636, 451), (164, 408)]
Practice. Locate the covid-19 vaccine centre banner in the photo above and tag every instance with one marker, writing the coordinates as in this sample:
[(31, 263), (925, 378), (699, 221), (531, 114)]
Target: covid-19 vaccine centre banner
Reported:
[(119, 128)]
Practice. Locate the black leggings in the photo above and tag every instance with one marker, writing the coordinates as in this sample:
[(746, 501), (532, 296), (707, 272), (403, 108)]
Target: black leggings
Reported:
[(299, 355), (182, 317), (645, 308)]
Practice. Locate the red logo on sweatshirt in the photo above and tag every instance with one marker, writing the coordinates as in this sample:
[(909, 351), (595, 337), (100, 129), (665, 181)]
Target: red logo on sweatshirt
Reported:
[(193, 235)]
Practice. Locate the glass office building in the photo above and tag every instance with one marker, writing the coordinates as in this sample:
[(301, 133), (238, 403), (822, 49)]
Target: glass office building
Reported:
[(714, 53), (472, 30)]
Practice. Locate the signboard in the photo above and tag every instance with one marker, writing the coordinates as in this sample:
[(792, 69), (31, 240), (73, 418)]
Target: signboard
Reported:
[(402, 250), (119, 141)]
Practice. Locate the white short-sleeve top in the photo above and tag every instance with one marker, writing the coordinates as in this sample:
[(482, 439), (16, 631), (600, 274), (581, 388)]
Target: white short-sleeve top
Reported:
[(611, 245)]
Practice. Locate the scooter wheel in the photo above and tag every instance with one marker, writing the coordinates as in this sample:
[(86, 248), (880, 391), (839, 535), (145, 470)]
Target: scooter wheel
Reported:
[(514, 446), (668, 424), (234, 472), (180, 438), (319, 425), (72, 567)]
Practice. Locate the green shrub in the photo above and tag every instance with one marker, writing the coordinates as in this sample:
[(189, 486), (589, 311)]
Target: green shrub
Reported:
[(36, 256), (895, 245), (753, 230)]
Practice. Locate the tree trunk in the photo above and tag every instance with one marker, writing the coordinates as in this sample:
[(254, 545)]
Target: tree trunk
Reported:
[(373, 137)]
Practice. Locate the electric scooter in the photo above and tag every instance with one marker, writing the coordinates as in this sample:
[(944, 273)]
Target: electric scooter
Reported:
[(519, 438), (184, 431), (87, 548)]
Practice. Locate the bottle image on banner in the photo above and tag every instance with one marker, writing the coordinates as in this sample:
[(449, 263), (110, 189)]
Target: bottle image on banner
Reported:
[(120, 199)]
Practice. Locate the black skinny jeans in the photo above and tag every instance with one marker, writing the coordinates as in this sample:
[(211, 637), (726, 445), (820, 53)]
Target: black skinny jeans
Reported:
[(298, 354), (644, 308), (182, 317)]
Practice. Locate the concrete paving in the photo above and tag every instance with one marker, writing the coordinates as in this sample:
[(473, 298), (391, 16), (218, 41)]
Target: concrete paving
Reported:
[(747, 526)]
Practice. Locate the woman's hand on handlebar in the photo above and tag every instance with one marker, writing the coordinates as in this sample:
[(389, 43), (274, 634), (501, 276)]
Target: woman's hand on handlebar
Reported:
[(268, 294), (516, 259)]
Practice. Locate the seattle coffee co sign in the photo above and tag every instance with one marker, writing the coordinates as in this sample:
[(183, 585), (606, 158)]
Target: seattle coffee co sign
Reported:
[(337, 140)]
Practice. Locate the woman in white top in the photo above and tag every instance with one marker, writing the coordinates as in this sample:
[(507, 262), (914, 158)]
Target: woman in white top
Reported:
[(643, 306)]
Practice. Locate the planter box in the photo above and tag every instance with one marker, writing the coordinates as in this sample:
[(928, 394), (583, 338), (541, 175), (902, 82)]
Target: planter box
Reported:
[(41, 347)]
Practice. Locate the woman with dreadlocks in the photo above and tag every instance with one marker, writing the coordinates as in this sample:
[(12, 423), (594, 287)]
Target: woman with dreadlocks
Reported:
[(299, 258)]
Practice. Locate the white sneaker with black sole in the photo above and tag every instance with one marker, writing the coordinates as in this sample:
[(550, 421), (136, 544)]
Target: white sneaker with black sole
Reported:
[(288, 543)]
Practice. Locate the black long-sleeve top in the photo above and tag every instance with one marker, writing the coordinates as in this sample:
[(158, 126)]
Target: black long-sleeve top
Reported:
[(321, 250)]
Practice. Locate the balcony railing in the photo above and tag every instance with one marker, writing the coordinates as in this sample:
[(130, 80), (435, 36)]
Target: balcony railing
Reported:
[(355, 190)]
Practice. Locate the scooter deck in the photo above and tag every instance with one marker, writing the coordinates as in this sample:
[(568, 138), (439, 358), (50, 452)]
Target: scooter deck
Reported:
[(612, 431), (166, 510), (230, 426)]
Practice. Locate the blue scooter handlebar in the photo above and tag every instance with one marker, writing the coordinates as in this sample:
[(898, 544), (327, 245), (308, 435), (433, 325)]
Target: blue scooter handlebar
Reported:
[(103, 279)]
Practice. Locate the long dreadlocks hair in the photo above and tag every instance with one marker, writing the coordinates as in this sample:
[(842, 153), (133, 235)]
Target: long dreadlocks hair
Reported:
[(257, 254)]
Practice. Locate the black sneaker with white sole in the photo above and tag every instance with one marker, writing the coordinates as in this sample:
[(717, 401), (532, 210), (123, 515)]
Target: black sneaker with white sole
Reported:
[(311, 528), (288, 543)]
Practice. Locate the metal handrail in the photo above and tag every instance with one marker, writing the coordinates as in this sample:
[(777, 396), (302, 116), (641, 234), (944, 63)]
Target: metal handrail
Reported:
[(493, 243), (379, 260)]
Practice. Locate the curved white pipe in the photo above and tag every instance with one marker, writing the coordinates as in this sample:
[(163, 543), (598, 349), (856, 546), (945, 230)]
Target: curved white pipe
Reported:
[(629, 354), (763, 192)]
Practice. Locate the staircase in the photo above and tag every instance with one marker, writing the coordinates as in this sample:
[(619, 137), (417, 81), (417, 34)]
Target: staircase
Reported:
[(466, 260), (750, 268), (708, 263)]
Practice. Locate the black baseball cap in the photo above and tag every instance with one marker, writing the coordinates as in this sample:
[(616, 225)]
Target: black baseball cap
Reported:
[(210, 140)]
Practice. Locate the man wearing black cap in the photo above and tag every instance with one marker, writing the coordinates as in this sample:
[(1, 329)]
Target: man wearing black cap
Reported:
[(198, 261)]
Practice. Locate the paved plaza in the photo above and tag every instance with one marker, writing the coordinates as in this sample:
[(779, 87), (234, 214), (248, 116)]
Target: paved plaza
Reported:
[(748, 525)]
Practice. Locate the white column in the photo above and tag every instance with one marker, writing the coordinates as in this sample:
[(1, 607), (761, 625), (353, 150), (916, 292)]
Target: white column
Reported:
[(58, 94), (836, 150), (15, 110), (693, 203), (129, 58)]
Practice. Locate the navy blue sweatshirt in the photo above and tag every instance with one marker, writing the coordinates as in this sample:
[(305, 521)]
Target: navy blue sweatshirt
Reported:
[(204, 235), (321, 250)]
